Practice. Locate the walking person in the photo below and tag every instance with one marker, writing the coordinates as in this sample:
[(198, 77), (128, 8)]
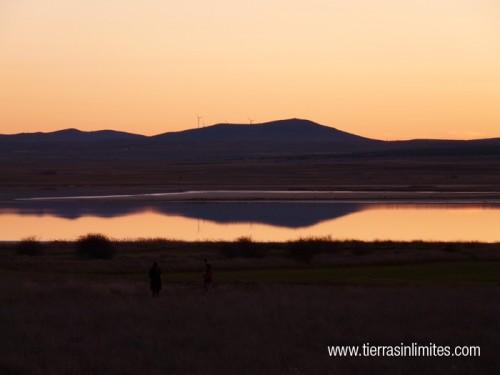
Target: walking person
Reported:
[(207, 277), (155, 279)]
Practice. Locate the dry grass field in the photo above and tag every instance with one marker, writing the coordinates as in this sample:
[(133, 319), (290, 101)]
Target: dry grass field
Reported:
[(117, 328), (61, 314)]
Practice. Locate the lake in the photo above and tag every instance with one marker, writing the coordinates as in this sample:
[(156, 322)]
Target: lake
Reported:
[(262, 221)]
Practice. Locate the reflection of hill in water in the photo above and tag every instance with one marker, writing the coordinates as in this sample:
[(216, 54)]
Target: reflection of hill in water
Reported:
[(292, 215), (283, 214)]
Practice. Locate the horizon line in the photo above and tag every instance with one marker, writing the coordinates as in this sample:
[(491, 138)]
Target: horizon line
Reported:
[(241, 124)]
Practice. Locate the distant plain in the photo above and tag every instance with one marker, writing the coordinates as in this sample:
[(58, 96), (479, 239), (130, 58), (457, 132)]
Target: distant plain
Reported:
[(32, 178)]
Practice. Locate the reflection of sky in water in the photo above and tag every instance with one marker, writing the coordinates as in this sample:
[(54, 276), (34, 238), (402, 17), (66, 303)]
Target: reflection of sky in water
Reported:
[(265, 221)]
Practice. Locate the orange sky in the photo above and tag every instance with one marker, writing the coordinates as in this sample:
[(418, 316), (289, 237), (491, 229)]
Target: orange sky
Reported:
[(387, 69)]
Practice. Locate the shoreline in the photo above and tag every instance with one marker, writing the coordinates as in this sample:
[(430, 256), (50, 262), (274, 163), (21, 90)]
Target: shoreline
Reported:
[(285, 195)]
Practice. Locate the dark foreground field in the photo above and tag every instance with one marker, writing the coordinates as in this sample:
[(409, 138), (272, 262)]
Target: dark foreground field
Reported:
[(60, 314)]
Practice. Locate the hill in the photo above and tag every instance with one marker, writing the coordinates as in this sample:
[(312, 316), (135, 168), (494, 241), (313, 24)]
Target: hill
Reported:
[(291, 138), (70, 135)]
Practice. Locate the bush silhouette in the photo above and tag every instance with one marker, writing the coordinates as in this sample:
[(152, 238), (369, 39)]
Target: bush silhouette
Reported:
[(243, 247), (29, 246), (304, 250), (95, 246)]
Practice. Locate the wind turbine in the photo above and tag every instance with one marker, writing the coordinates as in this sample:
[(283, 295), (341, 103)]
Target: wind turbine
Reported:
[(198, 119)]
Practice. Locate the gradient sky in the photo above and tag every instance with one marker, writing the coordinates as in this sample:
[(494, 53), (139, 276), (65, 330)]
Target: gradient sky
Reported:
[(387, 69)]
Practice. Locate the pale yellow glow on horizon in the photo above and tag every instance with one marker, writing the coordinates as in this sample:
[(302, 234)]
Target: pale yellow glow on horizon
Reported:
[(386, 69)]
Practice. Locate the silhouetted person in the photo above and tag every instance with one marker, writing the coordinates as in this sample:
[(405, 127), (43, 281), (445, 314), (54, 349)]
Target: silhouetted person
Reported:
[(155, 279), (207, 277)]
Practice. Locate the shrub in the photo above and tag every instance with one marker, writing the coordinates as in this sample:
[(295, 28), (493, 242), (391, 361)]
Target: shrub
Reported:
[(243, 247), (95, 246), (302, 250), (30, 246)]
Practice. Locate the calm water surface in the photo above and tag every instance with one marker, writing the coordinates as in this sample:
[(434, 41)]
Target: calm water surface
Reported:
[(263, 221)]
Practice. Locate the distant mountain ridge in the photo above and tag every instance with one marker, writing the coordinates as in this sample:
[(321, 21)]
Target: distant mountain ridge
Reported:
[(282, 138), (73, 134)]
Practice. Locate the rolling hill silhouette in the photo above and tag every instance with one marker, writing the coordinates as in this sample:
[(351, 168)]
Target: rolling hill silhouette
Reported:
[(291, 130), (72, 135), (284, 138)]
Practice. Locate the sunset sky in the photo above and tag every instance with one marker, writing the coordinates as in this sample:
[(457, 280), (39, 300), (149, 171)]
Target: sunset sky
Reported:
[(387, 69)]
